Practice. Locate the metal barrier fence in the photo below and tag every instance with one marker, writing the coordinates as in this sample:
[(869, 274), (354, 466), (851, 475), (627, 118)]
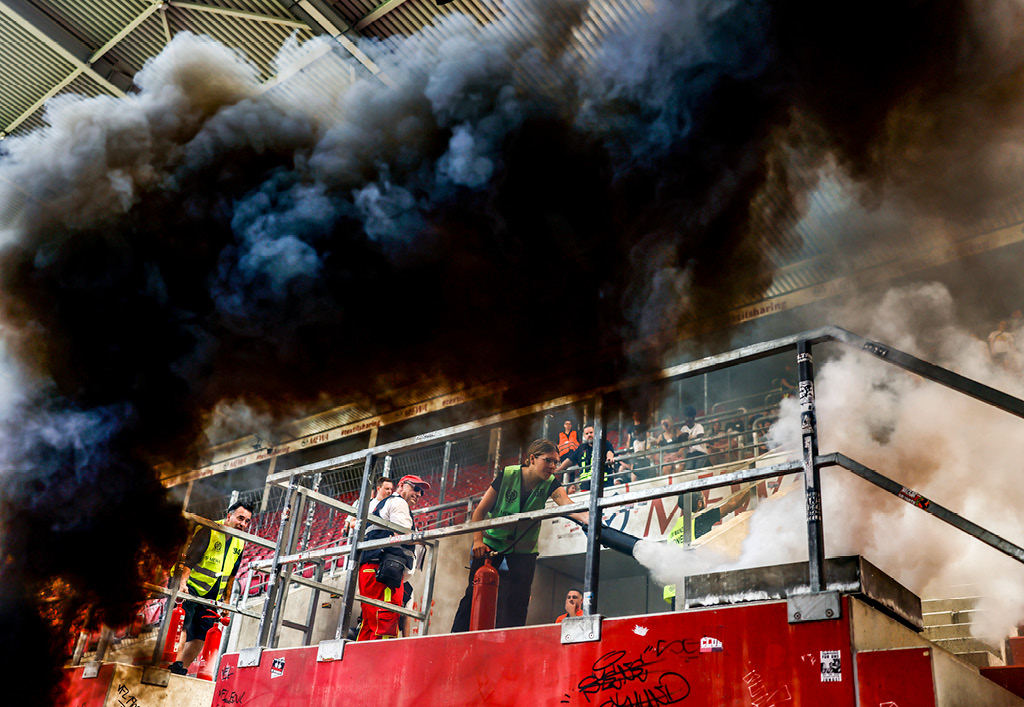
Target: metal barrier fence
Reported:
[(302, 485)]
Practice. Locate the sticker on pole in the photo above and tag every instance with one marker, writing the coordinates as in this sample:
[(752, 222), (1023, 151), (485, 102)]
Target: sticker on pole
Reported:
[(277, 668), (914, 498), (831, 667)]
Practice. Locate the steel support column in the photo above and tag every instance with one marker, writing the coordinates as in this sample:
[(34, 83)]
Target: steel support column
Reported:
[(314, 596), (444, 474), (356, 537), (592, 568), (812, 474), (293, 535), (172, 599), (274, 578)]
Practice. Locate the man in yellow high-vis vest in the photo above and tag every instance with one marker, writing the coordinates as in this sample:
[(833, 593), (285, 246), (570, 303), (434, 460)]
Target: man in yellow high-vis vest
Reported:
[(211, 563)]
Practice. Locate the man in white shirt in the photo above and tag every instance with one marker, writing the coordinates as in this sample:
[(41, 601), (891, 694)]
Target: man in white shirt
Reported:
[(381, 571), (697, 454), (385, 487)]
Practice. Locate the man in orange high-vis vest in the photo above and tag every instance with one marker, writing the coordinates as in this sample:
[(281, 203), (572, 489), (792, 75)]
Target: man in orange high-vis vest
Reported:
[(568, 441)]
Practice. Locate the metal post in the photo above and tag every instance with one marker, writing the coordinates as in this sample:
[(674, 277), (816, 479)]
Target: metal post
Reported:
[(274, 578), (291, 545), (268, 485), (688, 518), (812, 474), (161, 635), (428, 584), (592, 568), (444, 475), (106, 639), (356, 537), (314, 596), (76, 657), (497, 453), (237, 594)]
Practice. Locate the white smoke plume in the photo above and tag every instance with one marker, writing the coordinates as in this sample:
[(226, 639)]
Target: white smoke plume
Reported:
[(957, 452)]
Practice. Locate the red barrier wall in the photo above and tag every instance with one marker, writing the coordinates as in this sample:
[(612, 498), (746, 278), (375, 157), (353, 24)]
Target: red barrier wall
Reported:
[(747, 655), (901, 677), (87, 693)]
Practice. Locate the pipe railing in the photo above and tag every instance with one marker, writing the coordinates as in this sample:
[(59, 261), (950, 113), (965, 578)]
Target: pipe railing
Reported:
[(809, 465)]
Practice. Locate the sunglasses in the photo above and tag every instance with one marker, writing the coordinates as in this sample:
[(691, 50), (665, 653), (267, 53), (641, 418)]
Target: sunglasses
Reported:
[(417, 488)]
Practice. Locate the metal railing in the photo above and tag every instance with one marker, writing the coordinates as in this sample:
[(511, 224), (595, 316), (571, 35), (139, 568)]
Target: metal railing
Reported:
[(300, 492)]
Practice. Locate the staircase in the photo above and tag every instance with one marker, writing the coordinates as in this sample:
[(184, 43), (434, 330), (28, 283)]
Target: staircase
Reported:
[(947, 624)]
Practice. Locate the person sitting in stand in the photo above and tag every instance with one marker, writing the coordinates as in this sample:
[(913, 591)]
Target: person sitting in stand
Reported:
[(573, 605), (669, 437), (636, 435), (516, 489), (382, 571), (583, 455), (696, 454), (718, 445)]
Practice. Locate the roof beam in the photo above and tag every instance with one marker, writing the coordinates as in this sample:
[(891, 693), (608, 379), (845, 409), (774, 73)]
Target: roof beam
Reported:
[(321, 18), (241, 14), (378, 12), (85, 60), (59, 40)]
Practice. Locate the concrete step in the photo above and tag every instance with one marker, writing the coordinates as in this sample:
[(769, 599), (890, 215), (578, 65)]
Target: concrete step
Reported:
[(963, 646), (981, 659), (951, 604), (941, 618), (936, 633)]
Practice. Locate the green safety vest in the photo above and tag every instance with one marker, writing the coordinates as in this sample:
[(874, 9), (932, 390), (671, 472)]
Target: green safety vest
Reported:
[(510, 502), (218, 561), (678, 530), (587, 464)]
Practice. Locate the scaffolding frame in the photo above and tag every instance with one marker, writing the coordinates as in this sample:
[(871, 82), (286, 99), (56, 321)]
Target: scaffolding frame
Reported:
[(287, 555)]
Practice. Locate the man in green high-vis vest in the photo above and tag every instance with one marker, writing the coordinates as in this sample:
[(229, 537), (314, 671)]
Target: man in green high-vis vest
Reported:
[(516, 489), (211, 563)]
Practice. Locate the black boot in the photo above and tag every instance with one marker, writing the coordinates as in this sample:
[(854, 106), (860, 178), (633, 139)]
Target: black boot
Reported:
[(178, 668)]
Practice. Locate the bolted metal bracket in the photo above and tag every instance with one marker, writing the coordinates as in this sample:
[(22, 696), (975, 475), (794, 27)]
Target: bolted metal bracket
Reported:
[(152, 675), (92, 669), (250, 657), (819, 606), (328, 651), (581, 629)]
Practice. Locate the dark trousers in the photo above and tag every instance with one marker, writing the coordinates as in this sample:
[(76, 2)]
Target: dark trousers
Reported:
[(513, 591)]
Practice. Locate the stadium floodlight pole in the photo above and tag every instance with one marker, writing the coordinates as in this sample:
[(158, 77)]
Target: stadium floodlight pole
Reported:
[(592, 570), (812, 472), (355, 538)]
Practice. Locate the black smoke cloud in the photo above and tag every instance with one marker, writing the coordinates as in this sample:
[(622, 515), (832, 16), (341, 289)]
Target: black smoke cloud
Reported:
[(501, 206)]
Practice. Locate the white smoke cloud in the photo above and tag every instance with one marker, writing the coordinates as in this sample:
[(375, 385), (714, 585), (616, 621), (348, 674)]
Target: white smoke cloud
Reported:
[(957, 452)]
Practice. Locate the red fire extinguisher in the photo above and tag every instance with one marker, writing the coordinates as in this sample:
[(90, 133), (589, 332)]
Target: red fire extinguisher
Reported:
[(211, 646), (173, 633), (485, 598)]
